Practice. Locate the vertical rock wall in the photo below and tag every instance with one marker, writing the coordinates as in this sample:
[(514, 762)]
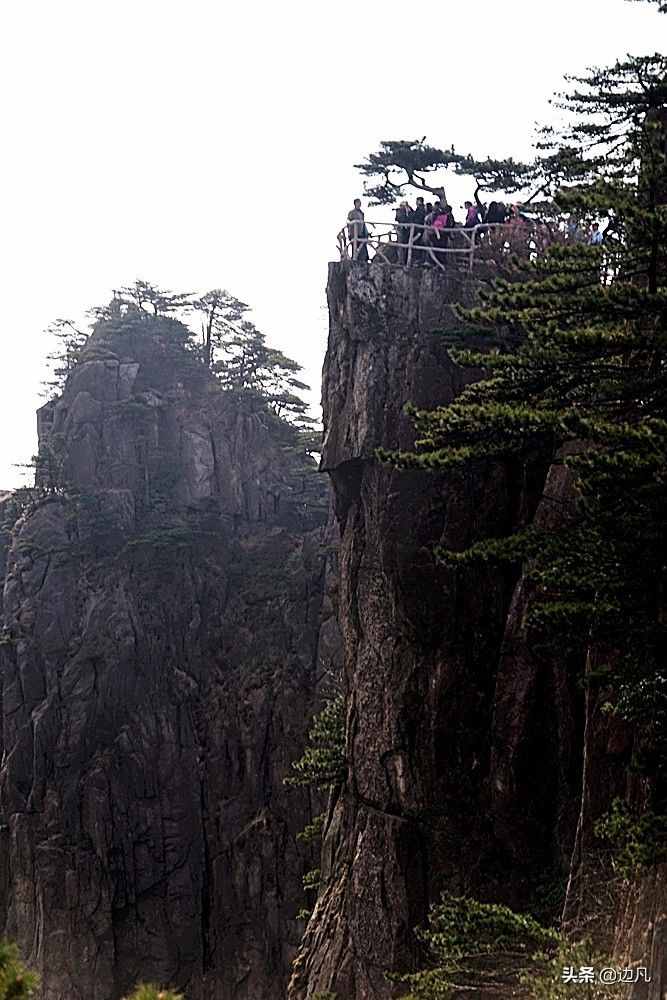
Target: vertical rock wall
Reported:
[(160, 662), (466, 742), (422, 646)]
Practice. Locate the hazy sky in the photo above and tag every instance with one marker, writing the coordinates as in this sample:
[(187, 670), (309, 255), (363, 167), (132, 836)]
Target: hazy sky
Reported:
[(207, 143)]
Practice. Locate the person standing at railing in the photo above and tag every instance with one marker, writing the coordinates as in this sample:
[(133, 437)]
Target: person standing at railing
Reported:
[(419, 213), (495, 216), (519, 230), (417, 219), (575, 234), (357, 232), (439, 237), (595, 236), (403, 215), (472, 215), (430, 237)]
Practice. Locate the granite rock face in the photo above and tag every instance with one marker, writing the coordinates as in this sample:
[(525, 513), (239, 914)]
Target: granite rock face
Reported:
[(466, 742), (160, 663)]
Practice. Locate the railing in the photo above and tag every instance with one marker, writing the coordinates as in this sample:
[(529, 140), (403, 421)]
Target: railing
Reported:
[(410, 244)]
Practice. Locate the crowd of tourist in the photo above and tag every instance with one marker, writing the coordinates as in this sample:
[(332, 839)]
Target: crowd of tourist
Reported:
[(431, 226)]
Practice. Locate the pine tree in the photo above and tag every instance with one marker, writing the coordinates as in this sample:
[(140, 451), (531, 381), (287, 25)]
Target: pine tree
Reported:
[(70, 339), (582, 379), (323, 763), (147, 297), (220, 313), (238, 353)]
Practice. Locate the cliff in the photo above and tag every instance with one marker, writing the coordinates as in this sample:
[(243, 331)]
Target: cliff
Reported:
[(475, 763), (170, 609), (166, 621)]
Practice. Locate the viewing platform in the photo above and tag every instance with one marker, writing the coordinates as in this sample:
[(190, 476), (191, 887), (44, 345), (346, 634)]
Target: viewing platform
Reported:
[(413, 245)]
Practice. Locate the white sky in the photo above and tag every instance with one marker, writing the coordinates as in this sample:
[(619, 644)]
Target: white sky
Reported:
[(205, 143)]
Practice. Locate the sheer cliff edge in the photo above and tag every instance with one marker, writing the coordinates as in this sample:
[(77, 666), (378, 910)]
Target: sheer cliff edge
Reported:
[(465, 745), (165, 622)]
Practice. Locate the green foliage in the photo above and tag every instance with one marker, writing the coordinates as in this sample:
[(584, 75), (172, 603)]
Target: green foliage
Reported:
[(636, 841), (144, 296), (238, 352), (20, 502), (311, 880), (264, 379), (582, 382), (148, 991), (402, 164), (490, 949), (322, 766), (477, 946), (312, 831), (323, 763), (16, 982), (546, 982), (62, 362)]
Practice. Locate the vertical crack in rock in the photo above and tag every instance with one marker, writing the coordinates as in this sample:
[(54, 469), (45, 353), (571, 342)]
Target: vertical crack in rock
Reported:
[(464, 743), (161, 626)]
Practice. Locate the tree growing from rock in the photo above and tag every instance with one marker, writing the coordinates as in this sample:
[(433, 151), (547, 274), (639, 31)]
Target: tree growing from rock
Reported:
[(401, 166), (238, 353), (148, 297), (231, 345), (585, 385), (70, 338)]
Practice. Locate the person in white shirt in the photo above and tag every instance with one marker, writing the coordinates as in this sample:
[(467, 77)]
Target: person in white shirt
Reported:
[(595, 238)]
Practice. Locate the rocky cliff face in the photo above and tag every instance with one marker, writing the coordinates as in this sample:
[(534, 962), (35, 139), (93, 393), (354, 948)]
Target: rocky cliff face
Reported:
[(165, 624), (466, 743)]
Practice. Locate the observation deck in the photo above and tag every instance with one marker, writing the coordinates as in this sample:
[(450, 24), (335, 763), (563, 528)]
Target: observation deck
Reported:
[(410, 244)]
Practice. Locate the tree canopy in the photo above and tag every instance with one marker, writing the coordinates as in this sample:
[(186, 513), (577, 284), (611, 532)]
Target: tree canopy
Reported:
[(230, 345)]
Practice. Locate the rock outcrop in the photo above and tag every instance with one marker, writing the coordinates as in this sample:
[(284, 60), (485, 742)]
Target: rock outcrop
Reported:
[(168, 613), (466, 742), (165, 622)]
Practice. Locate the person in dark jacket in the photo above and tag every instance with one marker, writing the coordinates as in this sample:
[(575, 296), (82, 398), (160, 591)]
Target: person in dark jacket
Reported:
[(357, 231), (417, 217), (403, 215), (419, 213)]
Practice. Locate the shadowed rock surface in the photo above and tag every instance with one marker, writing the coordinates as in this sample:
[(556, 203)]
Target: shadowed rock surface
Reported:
[(465, 740), (165, 626)]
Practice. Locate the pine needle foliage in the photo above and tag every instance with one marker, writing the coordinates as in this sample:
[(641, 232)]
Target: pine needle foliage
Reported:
[(478, 946), (148, 991), (486, 949), (636, 841), (16, 982), (323, 763), (584, 383)]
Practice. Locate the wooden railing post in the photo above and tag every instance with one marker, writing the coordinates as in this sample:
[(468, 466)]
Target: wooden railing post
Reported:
[(495, 239)]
